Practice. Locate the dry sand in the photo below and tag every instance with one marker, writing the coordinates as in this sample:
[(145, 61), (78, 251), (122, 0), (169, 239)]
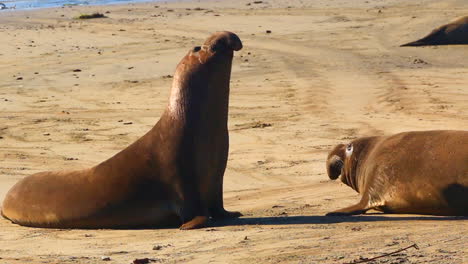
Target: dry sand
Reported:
[(330, 71)]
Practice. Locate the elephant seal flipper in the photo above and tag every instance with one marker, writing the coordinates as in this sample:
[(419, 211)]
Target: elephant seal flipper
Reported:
[(455, 32), (421, 172), (173, 175), (196, 222), (357, 209)]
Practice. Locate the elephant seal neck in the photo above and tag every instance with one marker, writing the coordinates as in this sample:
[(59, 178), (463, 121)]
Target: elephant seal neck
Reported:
[(200, 89), (354, 171)]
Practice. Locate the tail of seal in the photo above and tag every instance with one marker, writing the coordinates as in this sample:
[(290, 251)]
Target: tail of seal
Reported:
[(436, 37), (416, 43), (454, 33), (2, 214)]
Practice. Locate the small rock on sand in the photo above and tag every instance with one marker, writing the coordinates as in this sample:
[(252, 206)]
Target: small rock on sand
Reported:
[(141, 261)]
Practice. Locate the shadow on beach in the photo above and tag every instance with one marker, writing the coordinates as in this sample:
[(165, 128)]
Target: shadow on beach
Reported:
[(302, 220), (299, 220)]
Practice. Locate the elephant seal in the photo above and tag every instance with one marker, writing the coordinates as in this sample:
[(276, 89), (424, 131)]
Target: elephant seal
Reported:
[(171, 175), (455, 32), (422, 172)]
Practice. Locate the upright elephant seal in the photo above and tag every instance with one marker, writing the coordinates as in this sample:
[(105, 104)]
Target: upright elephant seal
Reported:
[(412, 173), (171, 175), (452, 33)]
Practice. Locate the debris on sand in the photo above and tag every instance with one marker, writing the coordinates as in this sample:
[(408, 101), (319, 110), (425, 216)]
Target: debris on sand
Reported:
[(90, 16), (257, 124), (159, 247), (261, 125), (419, 61), (141, 261), (147, 260), (365, 260)]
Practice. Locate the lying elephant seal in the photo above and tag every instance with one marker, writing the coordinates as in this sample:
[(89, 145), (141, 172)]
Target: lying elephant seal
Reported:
[(452, 33), (413, 172), (171, 175)]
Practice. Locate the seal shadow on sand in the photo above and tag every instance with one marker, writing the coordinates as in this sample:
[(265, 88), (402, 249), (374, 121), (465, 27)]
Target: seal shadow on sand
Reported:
[(319, 219), (302, 220), (450, 194)]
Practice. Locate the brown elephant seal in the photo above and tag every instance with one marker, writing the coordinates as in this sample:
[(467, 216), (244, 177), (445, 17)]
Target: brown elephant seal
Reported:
[(171, 175), (452, 33), (422, 172)]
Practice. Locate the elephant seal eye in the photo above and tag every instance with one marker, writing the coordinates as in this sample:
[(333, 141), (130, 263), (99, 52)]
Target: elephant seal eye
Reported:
[(349, 150)]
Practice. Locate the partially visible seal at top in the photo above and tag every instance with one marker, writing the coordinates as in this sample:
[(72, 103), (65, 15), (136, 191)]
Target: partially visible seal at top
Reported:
[(173, 175), (424, 172), (3, 6), (455, 32)]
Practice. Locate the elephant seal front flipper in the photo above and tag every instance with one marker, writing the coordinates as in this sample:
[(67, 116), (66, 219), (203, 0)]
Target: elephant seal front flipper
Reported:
[(360, 208)]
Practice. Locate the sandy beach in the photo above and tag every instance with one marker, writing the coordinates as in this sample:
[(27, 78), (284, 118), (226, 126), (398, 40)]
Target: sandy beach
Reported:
[(75, 92)]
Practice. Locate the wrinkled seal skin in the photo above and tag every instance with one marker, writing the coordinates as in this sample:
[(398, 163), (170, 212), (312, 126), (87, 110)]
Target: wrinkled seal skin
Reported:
[(422, 172), (172, 175), (452, 33)]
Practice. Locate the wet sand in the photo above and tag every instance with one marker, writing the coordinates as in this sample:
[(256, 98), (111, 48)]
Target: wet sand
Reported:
[(75, 92)]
